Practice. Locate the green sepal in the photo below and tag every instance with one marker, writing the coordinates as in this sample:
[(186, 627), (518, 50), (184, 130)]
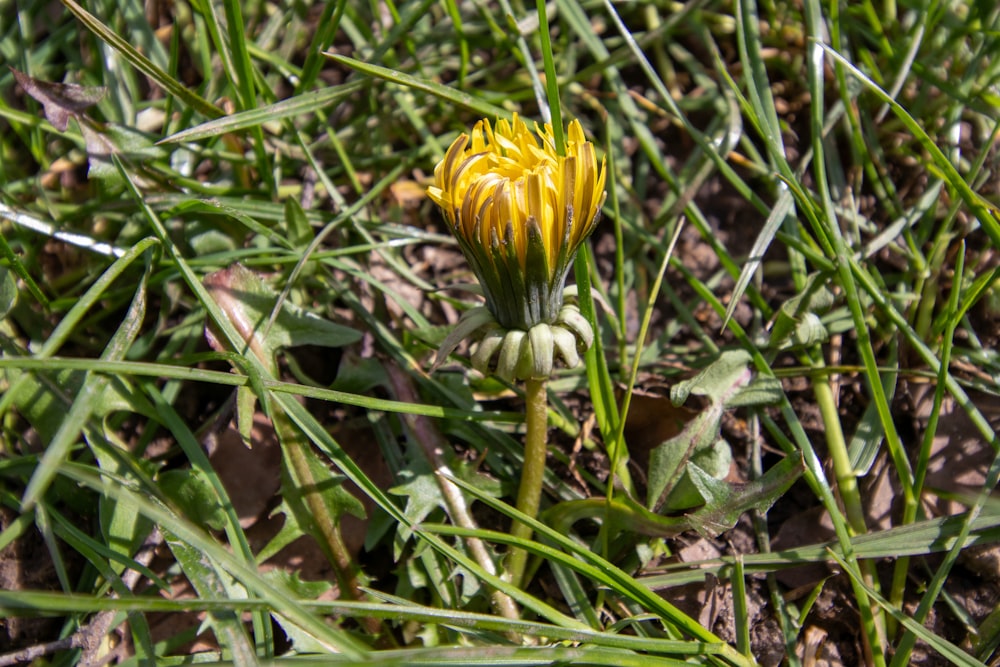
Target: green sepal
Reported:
[(566, 345), (507, 294), (510, 355), (542, 350), (521, 354), (487, 347), (471, 321), (572, 319), (544, 298)]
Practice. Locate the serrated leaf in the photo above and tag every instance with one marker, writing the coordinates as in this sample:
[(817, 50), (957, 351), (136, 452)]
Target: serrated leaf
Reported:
[(194, 495), (761, 391), (211, 581), (728, 501), (302, 642), (714, 461), (248, 303), (290, 531), (330, 487), (791, 322), (719, 381), (423, 496), (668, 461), (314, 495)]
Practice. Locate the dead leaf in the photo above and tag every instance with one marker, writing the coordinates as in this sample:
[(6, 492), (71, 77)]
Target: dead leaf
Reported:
[(251, 475), (960, 456), (407, 193), (652, 420), (811, 526), (60, 101)]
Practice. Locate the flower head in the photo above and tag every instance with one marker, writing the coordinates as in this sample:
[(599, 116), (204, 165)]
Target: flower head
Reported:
[(520, 211)]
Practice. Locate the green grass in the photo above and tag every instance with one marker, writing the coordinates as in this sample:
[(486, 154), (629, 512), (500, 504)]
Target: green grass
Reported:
[(831, 170)]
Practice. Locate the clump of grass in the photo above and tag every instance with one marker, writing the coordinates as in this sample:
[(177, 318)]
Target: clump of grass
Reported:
[(836, 168)]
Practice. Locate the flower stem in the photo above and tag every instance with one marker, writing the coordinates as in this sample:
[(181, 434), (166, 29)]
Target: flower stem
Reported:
[(529, 494)]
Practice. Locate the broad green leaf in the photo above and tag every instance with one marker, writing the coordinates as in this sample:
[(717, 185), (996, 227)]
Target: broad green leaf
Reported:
[(713, 461), (300, 232), (13, 263), (302, 642), (761, 390), (290, 531), (105, 140), (246, 407), (194, 207), (194, 496), (206, 240), (423, 496), (41, 398), (726, 502), (213, 582), (719, 381), (122, 525), (796, 321), (669, 460), (699, 439), (357, 375), (329, 486)]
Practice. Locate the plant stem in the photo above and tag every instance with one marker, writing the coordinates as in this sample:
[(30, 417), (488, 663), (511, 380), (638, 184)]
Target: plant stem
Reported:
[(434, 447), (847, 482), (850, 496), (295, 450), (529, 494), (296, 457)]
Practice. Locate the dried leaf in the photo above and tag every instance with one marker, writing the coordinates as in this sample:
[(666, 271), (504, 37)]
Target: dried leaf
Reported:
[(60, 101)]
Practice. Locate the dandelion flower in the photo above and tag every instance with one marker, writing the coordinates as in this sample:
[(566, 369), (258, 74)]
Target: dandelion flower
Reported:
[(520, 211)]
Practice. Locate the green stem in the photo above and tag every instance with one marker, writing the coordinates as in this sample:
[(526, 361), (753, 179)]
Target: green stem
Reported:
[(847, 481), (296, 452), (850, 496), (529, 494), (345, 570)]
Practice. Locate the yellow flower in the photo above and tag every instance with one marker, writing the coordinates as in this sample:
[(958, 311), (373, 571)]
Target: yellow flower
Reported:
[(520, 212)]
